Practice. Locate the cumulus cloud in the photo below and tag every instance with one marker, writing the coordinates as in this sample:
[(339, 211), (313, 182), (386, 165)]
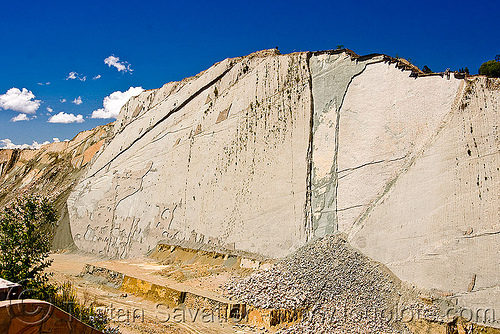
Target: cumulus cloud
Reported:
[(41, 83), (65, 118), (50, 109), (96, 77), (55, 140), (76, 76), (78, 101), (19, 100), (121, 66), (114, 102), (20, 117), (8, 144), (63, 100)]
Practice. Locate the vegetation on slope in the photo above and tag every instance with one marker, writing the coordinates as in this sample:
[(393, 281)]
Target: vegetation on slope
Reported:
[(26, 232), (491, 68)]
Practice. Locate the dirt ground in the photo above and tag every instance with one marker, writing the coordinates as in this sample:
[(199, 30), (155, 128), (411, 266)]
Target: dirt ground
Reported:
[(133, 314)]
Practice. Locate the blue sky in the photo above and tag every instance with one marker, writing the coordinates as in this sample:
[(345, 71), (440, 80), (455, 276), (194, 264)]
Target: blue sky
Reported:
[(42, 42)]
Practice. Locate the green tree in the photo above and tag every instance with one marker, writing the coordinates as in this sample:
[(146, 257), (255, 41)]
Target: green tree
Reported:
[(26, 230), (491, 68)]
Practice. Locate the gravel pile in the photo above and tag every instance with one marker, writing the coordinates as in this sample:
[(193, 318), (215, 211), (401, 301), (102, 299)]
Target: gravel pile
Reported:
[(342, 290)]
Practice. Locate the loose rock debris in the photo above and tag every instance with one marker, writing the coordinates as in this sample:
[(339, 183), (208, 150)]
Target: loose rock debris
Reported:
[(342, 290)]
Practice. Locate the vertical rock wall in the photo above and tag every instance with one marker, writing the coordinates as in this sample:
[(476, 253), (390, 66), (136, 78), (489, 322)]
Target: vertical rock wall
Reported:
[(438, 223), (370, 120), (331, 76), (217, 159), (265, 152)]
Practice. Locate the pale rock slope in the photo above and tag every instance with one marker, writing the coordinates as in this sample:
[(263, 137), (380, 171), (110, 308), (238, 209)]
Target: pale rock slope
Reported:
[(437, 224), (266, 152), (219, 159)]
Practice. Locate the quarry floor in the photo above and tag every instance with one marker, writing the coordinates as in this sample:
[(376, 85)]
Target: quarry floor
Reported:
[(134, 314)]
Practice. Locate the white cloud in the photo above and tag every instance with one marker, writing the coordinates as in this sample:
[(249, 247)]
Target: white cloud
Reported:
[(76, 76), (96, 77), (8, 144), (121, 66), (50, 109), (114, 102), (78, 101), (55, 140), (19, 100), (63, 100), (63, 117), (20, 117), (41, 83)]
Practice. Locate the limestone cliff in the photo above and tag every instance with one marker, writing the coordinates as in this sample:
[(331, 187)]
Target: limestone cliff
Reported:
[(265, 152), (220, 158)]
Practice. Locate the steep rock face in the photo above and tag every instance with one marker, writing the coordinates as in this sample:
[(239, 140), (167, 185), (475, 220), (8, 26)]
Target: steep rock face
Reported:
[(50, 171), (437, 224), (217, 159), (368, 127), (265, 152)]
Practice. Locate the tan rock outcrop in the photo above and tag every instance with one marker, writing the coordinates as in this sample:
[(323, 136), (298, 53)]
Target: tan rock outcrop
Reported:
[(51, 171)]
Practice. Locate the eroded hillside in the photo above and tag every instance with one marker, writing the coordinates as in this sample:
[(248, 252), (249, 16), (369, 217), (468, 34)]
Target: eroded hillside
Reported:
[(50, 171)]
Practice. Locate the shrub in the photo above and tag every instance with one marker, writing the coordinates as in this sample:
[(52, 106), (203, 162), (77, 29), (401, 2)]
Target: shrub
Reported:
[(26, 230), (491, 68), (66, 299)]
